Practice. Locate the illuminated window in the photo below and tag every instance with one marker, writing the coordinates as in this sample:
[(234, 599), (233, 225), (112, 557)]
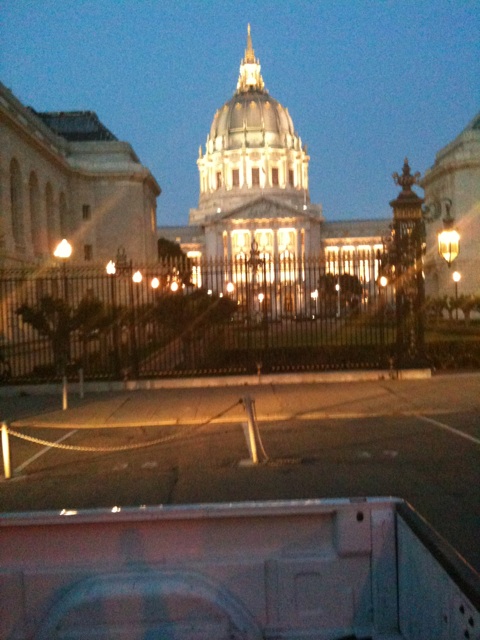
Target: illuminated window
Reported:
[(267, 271), (274, 176), (287, 266), (286, 239), (348, 252), (291, 177), (219, 179), (255, 176), (264, 239), (240, 241), (363, 254), (377, 250), (235, 177), (331, 255)]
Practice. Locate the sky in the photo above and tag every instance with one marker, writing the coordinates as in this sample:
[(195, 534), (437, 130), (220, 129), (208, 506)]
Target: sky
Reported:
[(367, 82)]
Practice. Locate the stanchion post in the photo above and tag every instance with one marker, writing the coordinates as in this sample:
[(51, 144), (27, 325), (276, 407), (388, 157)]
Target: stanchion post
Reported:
[(251, 440), (64, 393), (6, 452)]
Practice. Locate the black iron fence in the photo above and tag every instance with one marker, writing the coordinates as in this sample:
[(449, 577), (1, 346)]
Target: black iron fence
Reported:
[(185, 318)]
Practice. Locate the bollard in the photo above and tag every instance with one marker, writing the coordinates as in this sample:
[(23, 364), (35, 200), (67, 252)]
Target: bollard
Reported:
[(6, 451), (250, 432), (64, 393), (80, 383)]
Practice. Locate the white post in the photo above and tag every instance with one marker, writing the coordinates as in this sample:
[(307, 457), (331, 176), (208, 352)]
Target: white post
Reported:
[(64, 393), (6, 451), (251, 441), (81, 380)]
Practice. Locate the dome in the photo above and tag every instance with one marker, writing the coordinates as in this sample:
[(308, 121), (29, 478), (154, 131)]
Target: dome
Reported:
[(252, 118)]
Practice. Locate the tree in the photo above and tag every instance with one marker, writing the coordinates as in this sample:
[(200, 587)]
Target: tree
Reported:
[(175, 265), (468, 303), (55, 320), (434, 308), (51, 318)]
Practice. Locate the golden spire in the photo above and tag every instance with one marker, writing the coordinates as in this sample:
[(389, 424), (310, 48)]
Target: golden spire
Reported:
[(249, 52), (250, 77)]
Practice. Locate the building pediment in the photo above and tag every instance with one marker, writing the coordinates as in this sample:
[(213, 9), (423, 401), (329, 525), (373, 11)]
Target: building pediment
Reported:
[(264, 208)]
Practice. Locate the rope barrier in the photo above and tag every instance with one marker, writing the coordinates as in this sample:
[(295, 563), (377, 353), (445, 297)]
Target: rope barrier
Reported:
[(140, 445)]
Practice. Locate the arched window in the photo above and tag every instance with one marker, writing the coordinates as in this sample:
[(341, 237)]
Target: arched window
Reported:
[(35, 215), (64, 220), (51, 222), (16, 202)]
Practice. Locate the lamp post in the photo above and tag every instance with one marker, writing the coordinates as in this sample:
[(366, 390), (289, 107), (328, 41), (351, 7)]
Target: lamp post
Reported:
[(456, 276), (122, 267), (337, 289), (111, 270), (314, 296), (382, 291), (408, 231), (63, 251)]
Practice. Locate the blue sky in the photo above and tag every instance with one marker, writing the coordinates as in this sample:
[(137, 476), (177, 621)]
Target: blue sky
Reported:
[(367, 82)]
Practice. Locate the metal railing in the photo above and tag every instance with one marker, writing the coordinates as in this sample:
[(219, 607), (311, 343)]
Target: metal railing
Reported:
[(185, 318)]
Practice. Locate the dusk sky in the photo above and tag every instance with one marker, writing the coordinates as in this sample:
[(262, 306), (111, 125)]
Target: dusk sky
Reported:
[(366, 82)]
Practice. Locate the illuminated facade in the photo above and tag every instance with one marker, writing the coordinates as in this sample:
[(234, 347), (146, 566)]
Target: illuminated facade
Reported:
[(453, 183), (254, 177), (254, 192), (65, 175)]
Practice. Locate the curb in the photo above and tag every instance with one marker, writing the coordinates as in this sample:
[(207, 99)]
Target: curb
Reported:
[(220, 381)]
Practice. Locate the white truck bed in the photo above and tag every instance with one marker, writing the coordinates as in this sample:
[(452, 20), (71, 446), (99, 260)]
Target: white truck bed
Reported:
[(317, 569)]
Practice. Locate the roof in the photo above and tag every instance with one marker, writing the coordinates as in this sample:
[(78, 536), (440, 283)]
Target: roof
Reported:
[(373, 228), (76, 126)]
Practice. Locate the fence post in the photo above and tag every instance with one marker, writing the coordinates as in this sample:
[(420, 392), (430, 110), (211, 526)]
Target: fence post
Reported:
[(64, 393), (80, 383), (6, 452)]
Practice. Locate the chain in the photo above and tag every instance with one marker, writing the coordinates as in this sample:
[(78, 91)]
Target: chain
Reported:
[(140, 445)]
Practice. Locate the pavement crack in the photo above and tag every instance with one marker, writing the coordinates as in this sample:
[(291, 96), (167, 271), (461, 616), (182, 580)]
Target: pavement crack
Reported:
[(120, 406)]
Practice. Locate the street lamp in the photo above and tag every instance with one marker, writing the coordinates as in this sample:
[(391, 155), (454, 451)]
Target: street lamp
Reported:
[(111, 269), (63, 250), (337, 289), (456, 276), (449, 238)]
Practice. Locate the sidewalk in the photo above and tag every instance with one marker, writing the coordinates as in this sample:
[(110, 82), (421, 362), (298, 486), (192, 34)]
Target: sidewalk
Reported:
[(276, 399)]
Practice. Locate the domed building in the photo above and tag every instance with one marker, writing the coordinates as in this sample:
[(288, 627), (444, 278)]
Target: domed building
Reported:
[(254, 177), (255, 201)]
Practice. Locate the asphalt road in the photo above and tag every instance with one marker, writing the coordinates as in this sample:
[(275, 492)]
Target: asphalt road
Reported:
[(431, 461)]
